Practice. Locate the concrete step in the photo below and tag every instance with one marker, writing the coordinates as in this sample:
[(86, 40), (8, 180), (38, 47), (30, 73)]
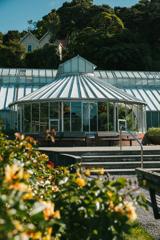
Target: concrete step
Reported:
[(86, 158), (128, 171), (121, 165)]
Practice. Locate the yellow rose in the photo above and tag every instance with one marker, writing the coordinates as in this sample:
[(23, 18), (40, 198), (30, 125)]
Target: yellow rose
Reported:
[(87, 173), (48, 235), (13, 172), (28, 196), (57, 214), (18, 226), (55, 188), (48, 212), (130, 211), (22, 187), (80, 182), (102, 171), (110, 194), (35, 235)]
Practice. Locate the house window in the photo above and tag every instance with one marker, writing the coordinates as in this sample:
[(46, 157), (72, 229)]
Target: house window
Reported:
[(29, 48)]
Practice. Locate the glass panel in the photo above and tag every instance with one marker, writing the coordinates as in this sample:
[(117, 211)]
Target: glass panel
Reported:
[(102, 117), (86, 117), (54, 110), (149, 119), (28, 72), (118, 75), (35, 117), (135, 118), (130, 74), (66, 116), (18, 118), (155, 121), (76, 116), (129, 117), (42, 73), (124, 74), (27, 118), (111, 117), (122, 111), (44, 118), (136, 74), (12, 72), (93, 117), (3, 93), (5, 72), (35, 72), (10, 94), (97, 74), (48, 73), (110, 75), (20, 92)]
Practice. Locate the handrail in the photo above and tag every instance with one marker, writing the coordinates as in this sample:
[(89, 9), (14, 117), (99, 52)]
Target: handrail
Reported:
[(135, 138)]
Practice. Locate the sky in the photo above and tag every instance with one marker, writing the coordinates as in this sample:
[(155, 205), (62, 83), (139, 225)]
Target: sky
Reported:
[(14, 14)]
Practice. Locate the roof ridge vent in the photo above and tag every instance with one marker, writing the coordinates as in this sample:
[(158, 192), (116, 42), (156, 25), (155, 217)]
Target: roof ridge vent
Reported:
[(76, 65)]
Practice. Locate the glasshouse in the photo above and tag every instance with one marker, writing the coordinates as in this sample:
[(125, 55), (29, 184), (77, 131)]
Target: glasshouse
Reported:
[(78, 101)]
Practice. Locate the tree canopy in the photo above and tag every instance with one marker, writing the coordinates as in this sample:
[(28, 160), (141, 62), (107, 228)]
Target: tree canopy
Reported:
[(124, 38)]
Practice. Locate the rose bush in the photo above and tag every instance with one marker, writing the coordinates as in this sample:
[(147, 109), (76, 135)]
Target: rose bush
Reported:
[(38, 201)]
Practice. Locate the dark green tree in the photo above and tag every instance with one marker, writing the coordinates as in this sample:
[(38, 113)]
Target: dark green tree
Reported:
[(45, 57)]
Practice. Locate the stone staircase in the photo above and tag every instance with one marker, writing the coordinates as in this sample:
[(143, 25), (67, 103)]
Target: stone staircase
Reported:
[(112, 159), (122, 162)]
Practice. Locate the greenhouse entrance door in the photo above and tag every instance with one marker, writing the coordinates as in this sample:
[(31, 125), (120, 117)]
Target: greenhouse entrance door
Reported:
[(54, 124)]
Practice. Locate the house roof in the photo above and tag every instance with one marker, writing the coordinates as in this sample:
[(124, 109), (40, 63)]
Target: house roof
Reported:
[(28, 34), (47, 33)]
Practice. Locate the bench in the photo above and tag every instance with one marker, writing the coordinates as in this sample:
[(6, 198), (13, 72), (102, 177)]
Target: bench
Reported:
[(71, 139), (150, 181), (107, 138)]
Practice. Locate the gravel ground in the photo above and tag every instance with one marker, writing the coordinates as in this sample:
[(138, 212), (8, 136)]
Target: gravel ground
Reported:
[(146, 218), (151, 225)]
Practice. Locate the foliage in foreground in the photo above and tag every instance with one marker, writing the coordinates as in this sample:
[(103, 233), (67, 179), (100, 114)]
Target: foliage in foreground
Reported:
[(138, 233), (40, 202)]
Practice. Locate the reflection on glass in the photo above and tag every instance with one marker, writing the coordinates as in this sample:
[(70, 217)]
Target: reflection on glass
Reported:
[(93, 117), (54, 110), (102, 117), (66, 116), (27, 118), (129, 117), (44, 118), (18, 118), (76, 116), (121, 111), (86, 117), (111, 117), (135, 118), (35, 117)]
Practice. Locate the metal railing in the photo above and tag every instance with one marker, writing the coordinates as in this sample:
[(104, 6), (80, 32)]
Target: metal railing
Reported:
[(138, 141)]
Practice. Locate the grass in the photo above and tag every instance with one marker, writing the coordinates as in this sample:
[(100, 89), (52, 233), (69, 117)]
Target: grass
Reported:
[(138, 233)]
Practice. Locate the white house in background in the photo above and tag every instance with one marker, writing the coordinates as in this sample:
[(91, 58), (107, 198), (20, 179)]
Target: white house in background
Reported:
[(45, 39), (31, 43)]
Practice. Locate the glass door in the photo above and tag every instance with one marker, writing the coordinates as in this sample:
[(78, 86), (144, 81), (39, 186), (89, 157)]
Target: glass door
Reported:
[(54, 124)]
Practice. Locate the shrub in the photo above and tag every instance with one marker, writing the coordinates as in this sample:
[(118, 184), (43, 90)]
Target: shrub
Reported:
[(40, 202), (152, 136)]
